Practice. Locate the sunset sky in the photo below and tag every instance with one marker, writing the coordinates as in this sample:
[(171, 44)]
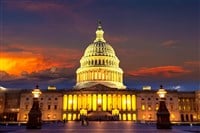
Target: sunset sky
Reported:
[(157, 41)]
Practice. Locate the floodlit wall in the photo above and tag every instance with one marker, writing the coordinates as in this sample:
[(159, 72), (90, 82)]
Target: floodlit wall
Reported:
[(124, 103)]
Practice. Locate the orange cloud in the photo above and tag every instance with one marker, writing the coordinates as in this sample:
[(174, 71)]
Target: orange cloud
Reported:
[(16, 64), (37, 59), (192, 63), (165, 71), (170, 43)]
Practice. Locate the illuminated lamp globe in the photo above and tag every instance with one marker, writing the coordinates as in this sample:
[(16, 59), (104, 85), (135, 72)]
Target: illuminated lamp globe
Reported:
[(161, 92), (36, 92)]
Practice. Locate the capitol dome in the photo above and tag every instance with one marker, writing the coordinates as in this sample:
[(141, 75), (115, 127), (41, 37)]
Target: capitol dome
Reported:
[(99, 49), (99, 65)]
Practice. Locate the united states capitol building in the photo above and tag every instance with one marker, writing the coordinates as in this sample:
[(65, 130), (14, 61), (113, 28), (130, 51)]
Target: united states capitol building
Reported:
[(100, 94)]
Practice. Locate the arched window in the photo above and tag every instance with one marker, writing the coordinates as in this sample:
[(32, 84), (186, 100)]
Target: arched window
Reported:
[(182, 117), (191, 118), (187, 118)]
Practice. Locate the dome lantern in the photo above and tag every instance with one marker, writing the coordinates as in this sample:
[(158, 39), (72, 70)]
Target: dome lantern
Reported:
[(99, 33)]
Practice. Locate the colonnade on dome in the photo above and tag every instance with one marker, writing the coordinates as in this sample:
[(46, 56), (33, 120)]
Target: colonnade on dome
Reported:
[(99, 75), (100, 61)]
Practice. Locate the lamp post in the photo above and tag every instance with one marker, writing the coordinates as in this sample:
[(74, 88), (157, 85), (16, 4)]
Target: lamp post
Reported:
[(35, 114), (163, 121)]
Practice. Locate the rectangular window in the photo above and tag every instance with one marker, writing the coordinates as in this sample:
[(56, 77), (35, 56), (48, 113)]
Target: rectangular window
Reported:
[(49, 107), (69, 117), (109, 102), (157, 106), (69, 102), (128, 102), (99, 100), (104, 102), (89, 101), (149, 107), (48, 116), (74, 117), (129, 117), (26, 107), (123, 102), (94, 104), (79, 102), (189, 108), (75, 102), (114, 101), (65, 103), (84, 99), (124, 117), (172, 107), (55, 107), (133, 102), (119, 102), (143, 107), (54, 116), (143, 117), (64, 116), (25, 116), (134, 117)]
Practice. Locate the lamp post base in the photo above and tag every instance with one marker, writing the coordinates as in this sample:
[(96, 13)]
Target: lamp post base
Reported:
[(35, 114), (34, 120), (163, 117)]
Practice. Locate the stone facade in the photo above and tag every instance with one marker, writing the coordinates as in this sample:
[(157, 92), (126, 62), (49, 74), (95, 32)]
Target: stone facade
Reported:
[(197, 102), (138, 106), (50, 105), (9, 102), (181, 106), (2, 102), (187, 106)]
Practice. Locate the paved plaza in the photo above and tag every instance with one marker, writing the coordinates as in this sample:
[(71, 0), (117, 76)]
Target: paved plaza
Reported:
[(99, 127)]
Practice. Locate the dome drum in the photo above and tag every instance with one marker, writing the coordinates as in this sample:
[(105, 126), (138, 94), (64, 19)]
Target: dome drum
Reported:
[(99, 74), (99, 61)]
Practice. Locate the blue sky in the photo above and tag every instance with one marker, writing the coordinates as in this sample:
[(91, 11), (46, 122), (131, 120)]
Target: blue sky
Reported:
[(157, 41)]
